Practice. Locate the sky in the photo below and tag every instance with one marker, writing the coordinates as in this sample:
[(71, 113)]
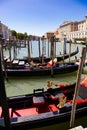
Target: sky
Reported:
[(36, 17)]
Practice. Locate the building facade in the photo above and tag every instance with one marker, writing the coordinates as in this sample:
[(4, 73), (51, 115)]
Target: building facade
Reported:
[(5, 32), (75, 31)]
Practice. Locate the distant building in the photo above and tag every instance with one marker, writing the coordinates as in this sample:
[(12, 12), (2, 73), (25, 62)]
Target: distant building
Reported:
[(75, 31), (49, 34), (5, 32)]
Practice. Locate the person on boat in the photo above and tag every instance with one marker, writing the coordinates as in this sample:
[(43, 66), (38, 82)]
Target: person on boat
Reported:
[(54, 62)]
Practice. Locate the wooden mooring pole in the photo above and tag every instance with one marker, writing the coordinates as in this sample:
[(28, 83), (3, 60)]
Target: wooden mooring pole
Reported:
[(69, 50), (52, 54), (39, 48), (2, 59), (42, 48), (3, 100), (72, 120), (28, 49)]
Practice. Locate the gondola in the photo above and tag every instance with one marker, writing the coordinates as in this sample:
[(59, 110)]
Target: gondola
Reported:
[(45, 107), (40, 70), (46, 59), (59, 57)]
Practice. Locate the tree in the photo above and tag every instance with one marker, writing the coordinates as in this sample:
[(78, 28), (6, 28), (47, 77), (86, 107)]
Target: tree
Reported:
[(25, 35), (14, 33)]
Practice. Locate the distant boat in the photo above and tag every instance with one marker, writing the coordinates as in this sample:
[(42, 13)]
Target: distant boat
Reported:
[(78, 62), (19, 69), (42, 108), (83, 43), (47, 59)]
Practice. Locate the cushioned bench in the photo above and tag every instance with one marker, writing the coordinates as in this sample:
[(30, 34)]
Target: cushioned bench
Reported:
[(38, 98), (56, 96)]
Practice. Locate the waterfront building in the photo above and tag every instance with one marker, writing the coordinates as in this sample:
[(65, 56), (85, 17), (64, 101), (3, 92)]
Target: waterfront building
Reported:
[(66, 28), (75, 31), (49, 34), (5, 32)]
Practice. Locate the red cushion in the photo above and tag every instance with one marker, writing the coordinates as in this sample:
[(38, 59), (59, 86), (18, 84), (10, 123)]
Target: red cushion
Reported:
[(79, 102), (56, 84), (38, 100), (56, 97), (67, 84), (71, 101), (62, 85), (85, 100), (84, 82)]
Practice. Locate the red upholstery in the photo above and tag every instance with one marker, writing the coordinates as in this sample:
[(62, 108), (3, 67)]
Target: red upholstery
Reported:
[(62, 85), (85, 100), (84, 82), (71, 101), (56, 96), (38, 100), (67, 84), (79, 101), (39, 103)]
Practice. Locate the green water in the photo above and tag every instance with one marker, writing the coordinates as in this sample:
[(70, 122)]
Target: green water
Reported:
[(23, 85), (65, 125)]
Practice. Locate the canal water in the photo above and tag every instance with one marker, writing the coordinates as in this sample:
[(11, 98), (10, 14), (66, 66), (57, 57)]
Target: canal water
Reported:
[(24, 85)]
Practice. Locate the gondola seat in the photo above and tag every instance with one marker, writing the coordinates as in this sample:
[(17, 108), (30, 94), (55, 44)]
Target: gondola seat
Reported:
[(21, 63), (15, 62), (55, 96), (39, 99)]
